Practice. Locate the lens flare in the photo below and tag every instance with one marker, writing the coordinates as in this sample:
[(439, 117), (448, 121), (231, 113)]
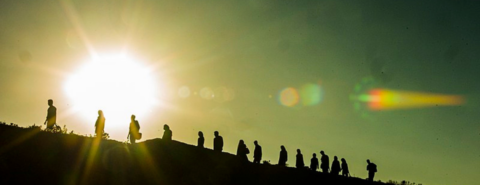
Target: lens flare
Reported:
[(311, 94), (385, 99), (289, 97), (184, 92)]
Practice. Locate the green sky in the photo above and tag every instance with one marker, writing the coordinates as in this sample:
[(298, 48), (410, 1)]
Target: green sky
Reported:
[(257, 48)]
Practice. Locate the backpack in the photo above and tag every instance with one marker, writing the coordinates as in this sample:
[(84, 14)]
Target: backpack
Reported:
[(247, 151), (374, 167)]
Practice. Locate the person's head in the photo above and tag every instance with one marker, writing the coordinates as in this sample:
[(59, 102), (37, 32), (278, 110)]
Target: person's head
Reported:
[(321, 152), (132, 117), (335, 158), (215, 133), (100, 112), (368, 161), (298, 151), (166, 127), (343, 160), (50, 102), (282, 147), (241, 142), (200, 134), (255, 142), (314, 155)]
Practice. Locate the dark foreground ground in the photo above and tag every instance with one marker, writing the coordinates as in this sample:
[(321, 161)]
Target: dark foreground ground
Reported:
[(30, 156)]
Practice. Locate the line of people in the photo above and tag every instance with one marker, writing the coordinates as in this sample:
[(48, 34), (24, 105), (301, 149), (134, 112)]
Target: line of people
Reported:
[(242, 149)]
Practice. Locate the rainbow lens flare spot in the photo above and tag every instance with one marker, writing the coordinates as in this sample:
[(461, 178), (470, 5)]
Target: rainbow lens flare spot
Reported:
[(385, 99), (311, 94), (289, 97)]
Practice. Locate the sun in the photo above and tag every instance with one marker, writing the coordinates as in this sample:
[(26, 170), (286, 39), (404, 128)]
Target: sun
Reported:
[(116, 84)]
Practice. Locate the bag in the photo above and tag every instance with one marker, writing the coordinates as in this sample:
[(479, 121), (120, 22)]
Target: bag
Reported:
[(374, 167), (138, 136), (247, 151)]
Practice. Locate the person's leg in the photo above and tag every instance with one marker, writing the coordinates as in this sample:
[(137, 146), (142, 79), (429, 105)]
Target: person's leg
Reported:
[(370, 176)]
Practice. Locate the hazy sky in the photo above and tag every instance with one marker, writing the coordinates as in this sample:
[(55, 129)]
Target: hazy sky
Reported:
[(255, 49)]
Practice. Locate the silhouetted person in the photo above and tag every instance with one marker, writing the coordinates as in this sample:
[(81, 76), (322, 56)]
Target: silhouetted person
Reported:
[(242, 150), (325, 162), (345, 171), (51, 119), (299, 163), (371, 168), (283, 157), (314, 162), (133, 132), (217, 142), (100, 124), (167, 133), (335, 166), (257, 153), (200, 140)]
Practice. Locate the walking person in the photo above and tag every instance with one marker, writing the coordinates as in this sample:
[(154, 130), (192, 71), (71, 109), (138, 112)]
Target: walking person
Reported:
[(325, 166), (242, 150), (283, 156), (335, 166), (257, 153), (372, 169), (51, 119), (167, 133), (314, 162), (100, 124), (201, 140), (217, 142), (299, 162), (345, 171), (134, 131)]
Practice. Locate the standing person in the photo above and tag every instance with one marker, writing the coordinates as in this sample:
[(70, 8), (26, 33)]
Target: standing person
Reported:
[(100, 124), (371, 168), (242, 150), (133, 132), (345, 171), (200, 140), (257, 153), (325, 162), (314, 162), (335, 166), (51, 119), (299, 162), (217, 142), (167, 133), (283, 156)]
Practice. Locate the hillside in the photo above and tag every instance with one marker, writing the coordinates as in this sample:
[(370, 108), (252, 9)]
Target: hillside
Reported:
[(31, 156)]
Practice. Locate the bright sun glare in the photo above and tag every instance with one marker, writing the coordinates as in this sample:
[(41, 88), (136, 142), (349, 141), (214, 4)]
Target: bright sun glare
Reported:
[(118, 85)]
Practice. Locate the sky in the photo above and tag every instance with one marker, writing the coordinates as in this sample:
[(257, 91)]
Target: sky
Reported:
[(280, 72)]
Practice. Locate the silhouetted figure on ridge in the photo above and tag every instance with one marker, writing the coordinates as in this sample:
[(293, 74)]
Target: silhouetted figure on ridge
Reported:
[(371, 168), (242, 150), (335, 166), (325, 162), (51, 119), (257, 153), (345, 171), (167, 133), (299, 163), (133, 133), (217, 142), (100, 124), (201, 139), (283, 156), (314, 162)]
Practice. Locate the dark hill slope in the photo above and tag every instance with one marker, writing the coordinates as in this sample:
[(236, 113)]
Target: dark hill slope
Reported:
[(30, 156)]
